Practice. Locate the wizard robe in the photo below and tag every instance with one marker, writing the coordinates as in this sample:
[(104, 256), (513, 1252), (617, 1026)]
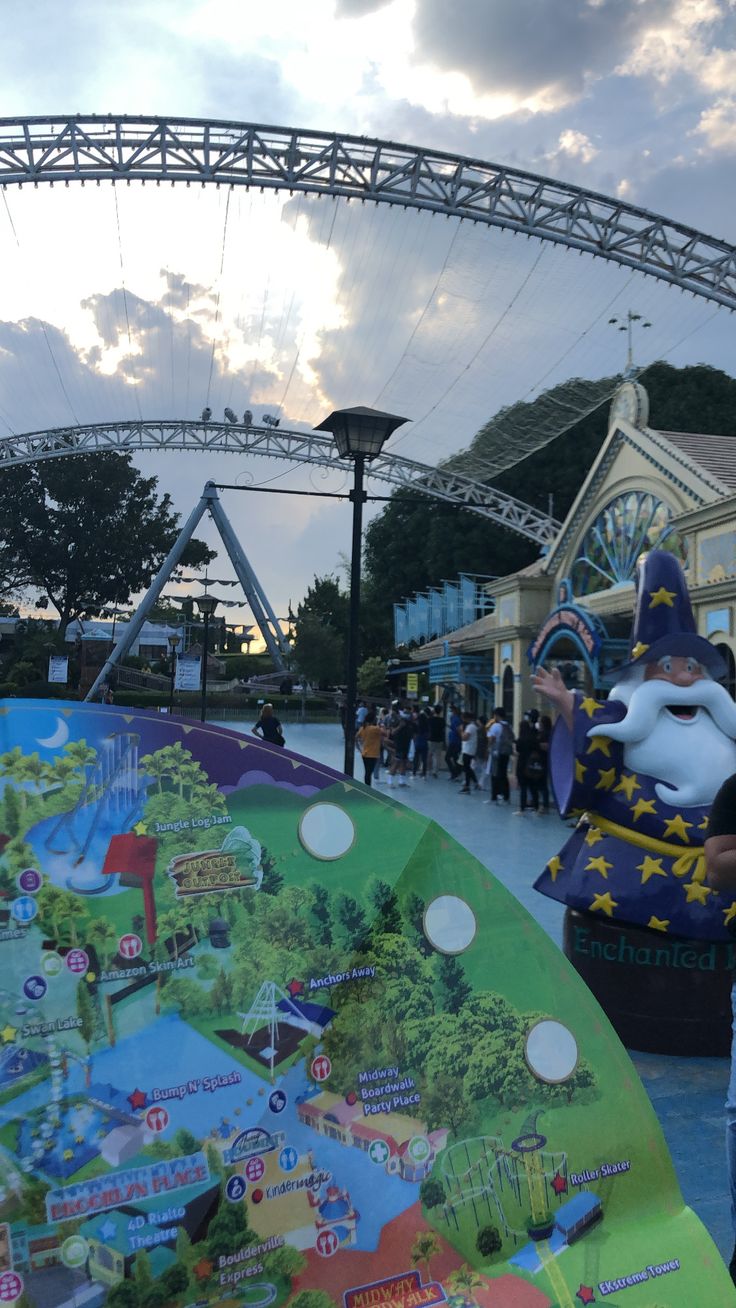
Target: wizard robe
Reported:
[(633, 857)]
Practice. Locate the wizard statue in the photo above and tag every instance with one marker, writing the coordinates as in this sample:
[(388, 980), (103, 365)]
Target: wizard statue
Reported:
[(642, 769), (640, 772)]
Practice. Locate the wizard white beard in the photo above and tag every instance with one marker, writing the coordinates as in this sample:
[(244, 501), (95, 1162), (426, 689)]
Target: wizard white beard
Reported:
[(691, 756)]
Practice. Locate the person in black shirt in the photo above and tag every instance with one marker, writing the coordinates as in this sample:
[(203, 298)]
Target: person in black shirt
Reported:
[(720, 857), (436, 739), (268, 727)]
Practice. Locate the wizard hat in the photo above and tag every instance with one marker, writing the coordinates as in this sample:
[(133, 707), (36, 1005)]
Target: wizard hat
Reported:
[(663, 619)]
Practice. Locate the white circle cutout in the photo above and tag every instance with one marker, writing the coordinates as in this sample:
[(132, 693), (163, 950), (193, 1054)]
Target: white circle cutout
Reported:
[(551, 1052), (449, 924), (326, 831)]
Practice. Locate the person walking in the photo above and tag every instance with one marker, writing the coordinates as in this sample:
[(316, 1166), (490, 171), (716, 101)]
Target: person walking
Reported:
[(469, 746), (401, 738), (369, 742), (481, 755), (544, 733), (436, 746), (500, 744), (268, 727), (529, 767), (421, 744), (454, 743)]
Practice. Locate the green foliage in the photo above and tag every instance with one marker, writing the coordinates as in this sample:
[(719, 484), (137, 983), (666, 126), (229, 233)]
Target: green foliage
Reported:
[(228, 1231), (454, 989), (412, 546), (85, 1012), (319, 652), (312, 1299), (372, 678), (432, 1192), (88, 531), (488, 1241), (273, 880)]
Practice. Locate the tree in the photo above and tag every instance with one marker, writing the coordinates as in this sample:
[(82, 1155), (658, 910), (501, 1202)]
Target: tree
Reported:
[(454, 989), (312, 1299), (85, 1012), (88, 531), (488, 1241), (372, 677), (425, 1247), (465, 1281), (319, 652), (410, 546), (444, 1103), (273, 880), (352, 920), (186, 1143), (388, 914), (432, 1192)]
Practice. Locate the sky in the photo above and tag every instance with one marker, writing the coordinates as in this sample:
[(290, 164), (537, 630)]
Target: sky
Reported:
[(126, 303)]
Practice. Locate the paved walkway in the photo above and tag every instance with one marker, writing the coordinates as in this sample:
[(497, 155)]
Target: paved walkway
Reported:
[(687, 1094)]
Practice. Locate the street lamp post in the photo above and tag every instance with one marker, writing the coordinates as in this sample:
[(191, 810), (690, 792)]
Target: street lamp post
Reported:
[(174, 642), (206, 605), (360, 434)]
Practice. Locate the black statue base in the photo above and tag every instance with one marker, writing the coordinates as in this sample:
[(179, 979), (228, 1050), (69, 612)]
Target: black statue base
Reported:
[(662, 994)]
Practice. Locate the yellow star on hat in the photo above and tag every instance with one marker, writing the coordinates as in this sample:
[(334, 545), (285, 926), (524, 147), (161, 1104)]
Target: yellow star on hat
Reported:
[(658, 923), (661, 596), (650, 867), (607, 776), (580, 770), (642, 806), (590, 705), (604, 903), (554, 867), (603, 743), (627, 785), (639, 649), (598, 864), (729, 913), (696, 892), (593, 836), (677, 826)]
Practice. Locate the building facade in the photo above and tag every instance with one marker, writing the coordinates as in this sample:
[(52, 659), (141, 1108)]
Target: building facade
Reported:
[(572, 607)]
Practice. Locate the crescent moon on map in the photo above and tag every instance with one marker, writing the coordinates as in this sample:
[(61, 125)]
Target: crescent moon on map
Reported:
[(59, 737)]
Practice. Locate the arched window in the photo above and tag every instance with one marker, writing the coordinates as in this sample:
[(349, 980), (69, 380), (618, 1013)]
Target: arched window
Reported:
[(727, 655), (507, 692), (629, 525)]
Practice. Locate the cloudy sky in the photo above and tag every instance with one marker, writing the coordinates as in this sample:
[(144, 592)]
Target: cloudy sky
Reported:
[(126, 303)]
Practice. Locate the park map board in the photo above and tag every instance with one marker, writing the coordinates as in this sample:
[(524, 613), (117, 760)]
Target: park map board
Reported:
[(268, 1037)]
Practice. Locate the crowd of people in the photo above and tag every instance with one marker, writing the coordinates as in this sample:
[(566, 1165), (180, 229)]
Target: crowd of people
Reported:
[(408, 742)]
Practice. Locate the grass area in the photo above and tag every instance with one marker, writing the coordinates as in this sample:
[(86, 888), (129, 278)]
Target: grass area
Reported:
[(40, 1073)]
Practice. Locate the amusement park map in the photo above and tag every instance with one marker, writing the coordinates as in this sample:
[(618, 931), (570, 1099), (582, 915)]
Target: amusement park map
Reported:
[(268, 1037)]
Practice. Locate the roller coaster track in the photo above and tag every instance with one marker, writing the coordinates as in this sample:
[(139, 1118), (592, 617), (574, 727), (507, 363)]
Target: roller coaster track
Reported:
[(121, 148), (292, 446)]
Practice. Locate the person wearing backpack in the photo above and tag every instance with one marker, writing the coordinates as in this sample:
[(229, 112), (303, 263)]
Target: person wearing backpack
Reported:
[(500, 745), (530, 766)]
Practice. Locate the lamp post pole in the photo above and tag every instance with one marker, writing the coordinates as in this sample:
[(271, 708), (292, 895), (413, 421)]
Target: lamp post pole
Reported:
[(358, 497), (360, 434), (207, 605), (173, 646)]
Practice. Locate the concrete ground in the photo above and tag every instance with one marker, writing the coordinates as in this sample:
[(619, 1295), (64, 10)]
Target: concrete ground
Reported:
[(687, 1093)]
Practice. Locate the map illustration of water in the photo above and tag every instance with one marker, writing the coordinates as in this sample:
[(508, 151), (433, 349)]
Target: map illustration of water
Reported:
[(268, 1038)]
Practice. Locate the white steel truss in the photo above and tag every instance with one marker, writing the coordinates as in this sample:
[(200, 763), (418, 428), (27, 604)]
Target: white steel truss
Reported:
[(127, 148), (277, 443)]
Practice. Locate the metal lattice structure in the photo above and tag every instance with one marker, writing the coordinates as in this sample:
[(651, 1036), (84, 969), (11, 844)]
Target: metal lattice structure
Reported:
[(135, 148), (277, 443)]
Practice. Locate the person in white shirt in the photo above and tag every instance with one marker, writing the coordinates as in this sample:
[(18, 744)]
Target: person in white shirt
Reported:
[(469, 738)]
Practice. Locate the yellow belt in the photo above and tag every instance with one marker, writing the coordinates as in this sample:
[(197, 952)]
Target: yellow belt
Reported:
[(682, 860)]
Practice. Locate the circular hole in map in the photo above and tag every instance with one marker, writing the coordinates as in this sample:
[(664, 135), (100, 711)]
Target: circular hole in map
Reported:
[(551, 1052), (449, 924), (326, 831)]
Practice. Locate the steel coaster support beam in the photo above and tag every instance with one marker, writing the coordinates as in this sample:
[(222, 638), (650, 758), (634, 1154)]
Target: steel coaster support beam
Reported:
[(121, 147), (133, 628), (264, 615)]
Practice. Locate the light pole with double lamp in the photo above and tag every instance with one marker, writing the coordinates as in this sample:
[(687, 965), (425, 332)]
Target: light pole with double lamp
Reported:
[(174, 642), (360, 434), (206, 605)]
